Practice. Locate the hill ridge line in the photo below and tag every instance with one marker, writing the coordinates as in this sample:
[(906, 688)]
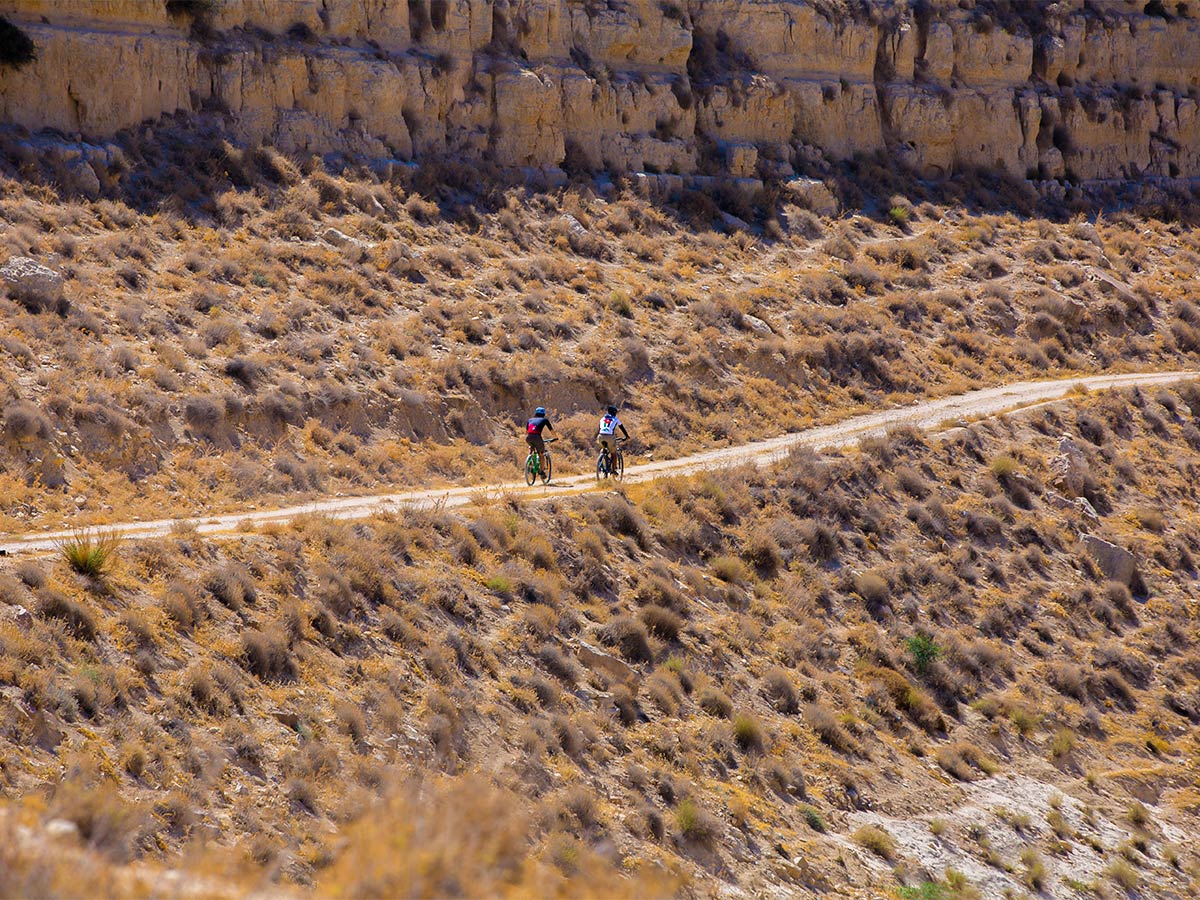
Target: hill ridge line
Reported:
[(925, 415)]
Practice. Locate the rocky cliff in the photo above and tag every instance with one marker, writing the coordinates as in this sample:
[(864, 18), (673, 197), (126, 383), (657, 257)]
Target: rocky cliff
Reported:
[(1089, 90)]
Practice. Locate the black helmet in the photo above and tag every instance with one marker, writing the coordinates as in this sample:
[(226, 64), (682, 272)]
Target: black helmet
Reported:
[(540, 411), (612, 410)]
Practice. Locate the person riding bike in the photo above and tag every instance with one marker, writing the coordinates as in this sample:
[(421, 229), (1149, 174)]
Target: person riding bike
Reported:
[(533, 434), (607, 438)]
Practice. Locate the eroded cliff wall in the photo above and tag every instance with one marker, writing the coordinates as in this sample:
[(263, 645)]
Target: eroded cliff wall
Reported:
[(1092, 91)]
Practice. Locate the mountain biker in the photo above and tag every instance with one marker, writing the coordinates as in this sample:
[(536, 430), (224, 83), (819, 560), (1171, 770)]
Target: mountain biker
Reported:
[(607, 438), (533, 434)]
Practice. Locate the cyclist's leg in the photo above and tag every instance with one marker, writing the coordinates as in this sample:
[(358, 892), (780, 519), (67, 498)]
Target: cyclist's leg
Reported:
[(532, 444), (538, 443)]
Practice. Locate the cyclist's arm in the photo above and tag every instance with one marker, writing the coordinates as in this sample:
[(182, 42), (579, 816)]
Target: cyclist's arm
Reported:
[(549, 427), (623, 431)]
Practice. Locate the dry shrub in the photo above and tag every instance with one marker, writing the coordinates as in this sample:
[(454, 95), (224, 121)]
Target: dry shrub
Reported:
[(962, 759), (232, 586), (267, 655), (715, 702), (629, 637), (828, 729), (467, 837), (106, 821), (663, 623), (558, 664), (778, 689), (78, 619), (748, 732), (875, 839)]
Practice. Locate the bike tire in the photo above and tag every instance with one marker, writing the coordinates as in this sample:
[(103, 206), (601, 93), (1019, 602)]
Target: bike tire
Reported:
[(531, 472), (618, 467), (549, 468), (600, 471)]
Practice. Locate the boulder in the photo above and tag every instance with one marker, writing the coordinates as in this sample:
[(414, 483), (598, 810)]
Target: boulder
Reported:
[(36, 287), (1117, 563), (1069, 470), (812, 195)]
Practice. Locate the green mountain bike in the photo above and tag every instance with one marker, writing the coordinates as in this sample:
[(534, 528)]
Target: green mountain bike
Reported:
[(611, 465), (533, 465)]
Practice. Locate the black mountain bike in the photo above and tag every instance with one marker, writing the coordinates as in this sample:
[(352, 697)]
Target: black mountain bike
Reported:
[(611, 465)]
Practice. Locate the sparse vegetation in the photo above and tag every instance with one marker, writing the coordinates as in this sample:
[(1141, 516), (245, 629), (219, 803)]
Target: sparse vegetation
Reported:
[(619, 692)]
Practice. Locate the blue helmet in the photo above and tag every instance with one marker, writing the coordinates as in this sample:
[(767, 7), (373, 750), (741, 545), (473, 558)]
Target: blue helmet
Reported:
[(540, 411)]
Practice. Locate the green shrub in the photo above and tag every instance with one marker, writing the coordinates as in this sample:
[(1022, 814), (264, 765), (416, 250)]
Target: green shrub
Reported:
[(923, 650), (90, 553), (899, 216), (813, 817), (748, 733), (498, 584), (695, 823)]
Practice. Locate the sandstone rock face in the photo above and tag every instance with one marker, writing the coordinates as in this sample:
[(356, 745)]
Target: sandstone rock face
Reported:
[(33, 285), (659, 86)]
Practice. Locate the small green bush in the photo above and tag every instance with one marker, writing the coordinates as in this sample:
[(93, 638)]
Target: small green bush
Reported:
[(923, 650), (89, 553), (813, 817), (748, 733)]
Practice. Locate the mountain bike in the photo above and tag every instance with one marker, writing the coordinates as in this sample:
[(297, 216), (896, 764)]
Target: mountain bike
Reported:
[(533, 466), (613, 465)]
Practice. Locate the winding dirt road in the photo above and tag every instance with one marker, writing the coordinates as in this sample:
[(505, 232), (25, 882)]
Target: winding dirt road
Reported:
[(930, 414)]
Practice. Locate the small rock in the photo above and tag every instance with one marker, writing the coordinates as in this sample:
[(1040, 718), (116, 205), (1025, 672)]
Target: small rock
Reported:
[(1069, 470), (36, 287), (61, 828), (574, 226), (757, 324), (18, 615), (337, 238)]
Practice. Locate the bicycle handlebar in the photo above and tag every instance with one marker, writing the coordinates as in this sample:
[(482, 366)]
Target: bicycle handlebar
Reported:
[(549, 440)]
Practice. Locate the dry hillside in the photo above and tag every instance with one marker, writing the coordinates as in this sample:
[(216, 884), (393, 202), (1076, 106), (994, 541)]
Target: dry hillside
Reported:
[(244, 331), (901, 670)]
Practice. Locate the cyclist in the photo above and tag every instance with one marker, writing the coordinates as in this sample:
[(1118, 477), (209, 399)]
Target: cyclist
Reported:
[(533, 434), (607, 438)]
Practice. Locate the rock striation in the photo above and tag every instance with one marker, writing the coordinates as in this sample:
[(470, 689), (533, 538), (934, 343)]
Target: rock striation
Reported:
[(741, 87)]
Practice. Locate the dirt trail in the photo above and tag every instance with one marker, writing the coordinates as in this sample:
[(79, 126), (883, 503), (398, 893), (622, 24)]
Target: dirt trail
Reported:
[(929, 414)]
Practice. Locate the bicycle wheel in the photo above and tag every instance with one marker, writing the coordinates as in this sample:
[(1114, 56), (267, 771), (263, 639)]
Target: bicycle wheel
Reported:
[(618, 466), (546, 474), (601, 468), (531, 469)]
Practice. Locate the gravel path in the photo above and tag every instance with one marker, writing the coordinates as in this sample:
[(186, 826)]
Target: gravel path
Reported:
[(926, 415)]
